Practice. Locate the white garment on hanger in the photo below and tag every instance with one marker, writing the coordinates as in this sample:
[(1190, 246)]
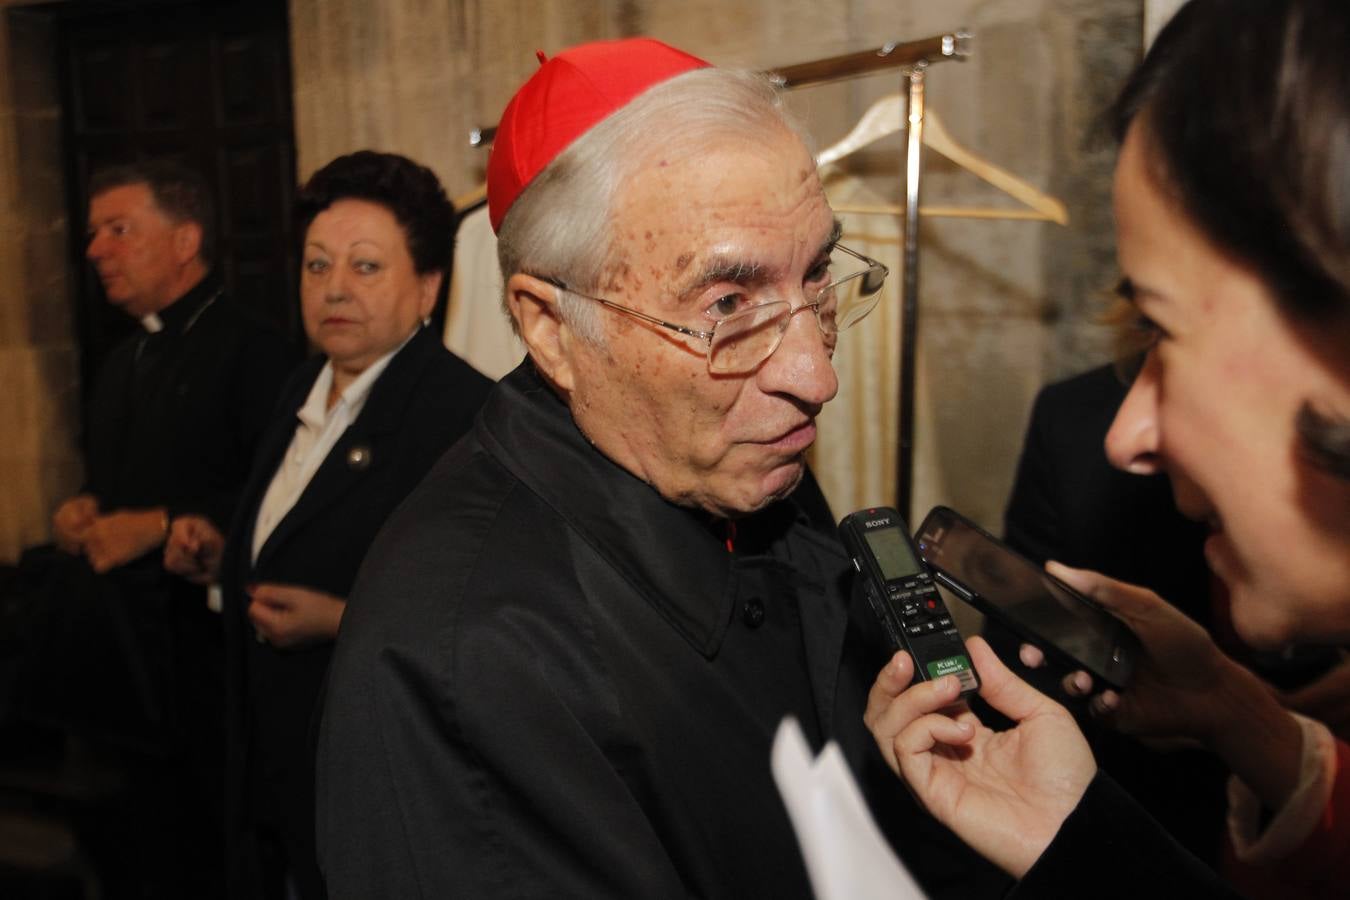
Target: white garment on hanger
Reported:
[(476, 328), (855, 454)]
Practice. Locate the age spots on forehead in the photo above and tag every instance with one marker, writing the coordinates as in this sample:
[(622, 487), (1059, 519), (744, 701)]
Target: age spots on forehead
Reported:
[(682, 261)]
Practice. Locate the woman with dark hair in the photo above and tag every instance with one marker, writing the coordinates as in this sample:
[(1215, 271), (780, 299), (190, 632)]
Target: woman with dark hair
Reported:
[(1232, 202), (356, 429)]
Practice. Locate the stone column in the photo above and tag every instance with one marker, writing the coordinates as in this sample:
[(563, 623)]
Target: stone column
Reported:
[(39, 376)]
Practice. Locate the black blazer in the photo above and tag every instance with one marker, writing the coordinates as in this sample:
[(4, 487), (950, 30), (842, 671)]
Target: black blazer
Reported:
[(420, 405), (1109, 849), (1069, 503)]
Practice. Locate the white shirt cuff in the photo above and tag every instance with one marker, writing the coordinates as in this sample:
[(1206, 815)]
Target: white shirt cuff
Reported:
[(1298, 818)]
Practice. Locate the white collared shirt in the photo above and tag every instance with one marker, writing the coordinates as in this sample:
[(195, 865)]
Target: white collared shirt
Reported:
[(318, 429)]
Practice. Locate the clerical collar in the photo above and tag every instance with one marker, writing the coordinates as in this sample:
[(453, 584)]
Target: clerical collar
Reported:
[(180, 315)]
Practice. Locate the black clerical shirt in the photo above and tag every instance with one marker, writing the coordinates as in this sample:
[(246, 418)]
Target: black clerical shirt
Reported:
[(176, 415)]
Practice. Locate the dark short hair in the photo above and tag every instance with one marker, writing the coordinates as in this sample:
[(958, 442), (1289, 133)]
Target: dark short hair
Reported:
[(1247, 107), (410, 191), (1246, 104), (179, 190)]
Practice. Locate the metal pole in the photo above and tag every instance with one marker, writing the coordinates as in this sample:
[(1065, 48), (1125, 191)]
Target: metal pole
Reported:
[(953, 45), (909, 305)]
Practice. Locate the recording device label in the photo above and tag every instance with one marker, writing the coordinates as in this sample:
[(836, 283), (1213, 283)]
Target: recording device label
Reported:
[(954, 665)]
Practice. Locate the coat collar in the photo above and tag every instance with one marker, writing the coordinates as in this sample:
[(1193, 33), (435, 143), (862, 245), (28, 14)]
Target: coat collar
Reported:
[(382, 414), (671, 554), (182, 313)]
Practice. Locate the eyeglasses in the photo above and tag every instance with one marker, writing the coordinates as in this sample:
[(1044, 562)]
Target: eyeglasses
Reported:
[(745, 339)]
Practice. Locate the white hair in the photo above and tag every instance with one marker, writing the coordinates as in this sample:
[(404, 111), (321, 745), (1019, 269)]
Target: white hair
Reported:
[(561, 226)]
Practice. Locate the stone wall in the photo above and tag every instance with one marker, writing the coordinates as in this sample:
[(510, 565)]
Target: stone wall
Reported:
[(39, 387), (1006, 305)]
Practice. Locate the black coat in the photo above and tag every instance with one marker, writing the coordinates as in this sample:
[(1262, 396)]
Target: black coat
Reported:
[(551, 682), (133, 655), (1069, 503), (422, 402), (175, 417), (1110, 849)]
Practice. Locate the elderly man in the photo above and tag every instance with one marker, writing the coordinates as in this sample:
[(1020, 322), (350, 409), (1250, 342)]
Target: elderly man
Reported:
[(131, 655), (562, 668)]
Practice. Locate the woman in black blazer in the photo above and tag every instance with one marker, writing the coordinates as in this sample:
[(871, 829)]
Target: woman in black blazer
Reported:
[(356, 429)]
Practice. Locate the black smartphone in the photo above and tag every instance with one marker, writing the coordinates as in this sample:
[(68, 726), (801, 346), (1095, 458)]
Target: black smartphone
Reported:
[(901, 592), (1041, 609)]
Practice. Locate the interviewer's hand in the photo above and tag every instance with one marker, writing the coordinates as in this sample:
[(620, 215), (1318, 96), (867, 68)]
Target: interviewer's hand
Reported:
[(287, 615), (194, 549), (71, 521), (118, 538), (1004, 793), (1185, 687), (1177, 675)]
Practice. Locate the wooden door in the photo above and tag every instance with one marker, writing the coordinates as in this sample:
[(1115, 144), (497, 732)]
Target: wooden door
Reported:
[(207, 83)]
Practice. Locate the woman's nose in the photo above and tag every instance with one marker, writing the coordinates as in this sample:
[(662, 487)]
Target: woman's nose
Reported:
[(335, 285), (1132, 440)]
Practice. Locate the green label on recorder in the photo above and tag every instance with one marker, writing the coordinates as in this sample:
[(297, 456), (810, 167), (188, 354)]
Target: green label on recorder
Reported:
[(952, 665)]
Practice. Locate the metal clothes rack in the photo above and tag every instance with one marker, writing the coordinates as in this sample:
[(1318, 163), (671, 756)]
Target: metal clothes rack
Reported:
[(915, 57)]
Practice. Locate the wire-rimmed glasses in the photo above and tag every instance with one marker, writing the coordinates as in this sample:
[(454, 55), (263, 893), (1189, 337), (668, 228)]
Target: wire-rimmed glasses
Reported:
[(745, 339)]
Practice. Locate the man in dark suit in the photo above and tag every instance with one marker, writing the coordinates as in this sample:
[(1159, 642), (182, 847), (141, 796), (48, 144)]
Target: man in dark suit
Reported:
[(131, 655)]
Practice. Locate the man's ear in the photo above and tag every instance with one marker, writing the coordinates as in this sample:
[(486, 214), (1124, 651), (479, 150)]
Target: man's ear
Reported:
[(533, 303), (187, 242)]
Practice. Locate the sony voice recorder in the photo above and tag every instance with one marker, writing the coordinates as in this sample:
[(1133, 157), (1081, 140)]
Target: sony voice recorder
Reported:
[(902, 593)]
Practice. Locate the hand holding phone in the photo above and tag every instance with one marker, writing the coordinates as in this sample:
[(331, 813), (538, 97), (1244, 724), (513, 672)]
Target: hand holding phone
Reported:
[(1040, 608)]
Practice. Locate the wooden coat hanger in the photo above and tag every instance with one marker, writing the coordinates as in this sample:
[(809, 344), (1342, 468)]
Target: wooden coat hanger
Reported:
[(470, 198), (886, 117)]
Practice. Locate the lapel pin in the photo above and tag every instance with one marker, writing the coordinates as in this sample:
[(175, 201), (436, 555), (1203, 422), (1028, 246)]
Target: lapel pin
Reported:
[(358, 458)]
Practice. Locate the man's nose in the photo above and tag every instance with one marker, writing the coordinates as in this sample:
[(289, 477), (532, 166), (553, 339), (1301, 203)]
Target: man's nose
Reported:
[(96, 249), (1132, 440), (801, 366)]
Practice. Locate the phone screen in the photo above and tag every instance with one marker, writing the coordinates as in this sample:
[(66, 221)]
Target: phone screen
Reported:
[(1010, 587)]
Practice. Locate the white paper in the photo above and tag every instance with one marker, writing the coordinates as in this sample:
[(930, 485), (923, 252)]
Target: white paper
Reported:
[(846, 856)]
